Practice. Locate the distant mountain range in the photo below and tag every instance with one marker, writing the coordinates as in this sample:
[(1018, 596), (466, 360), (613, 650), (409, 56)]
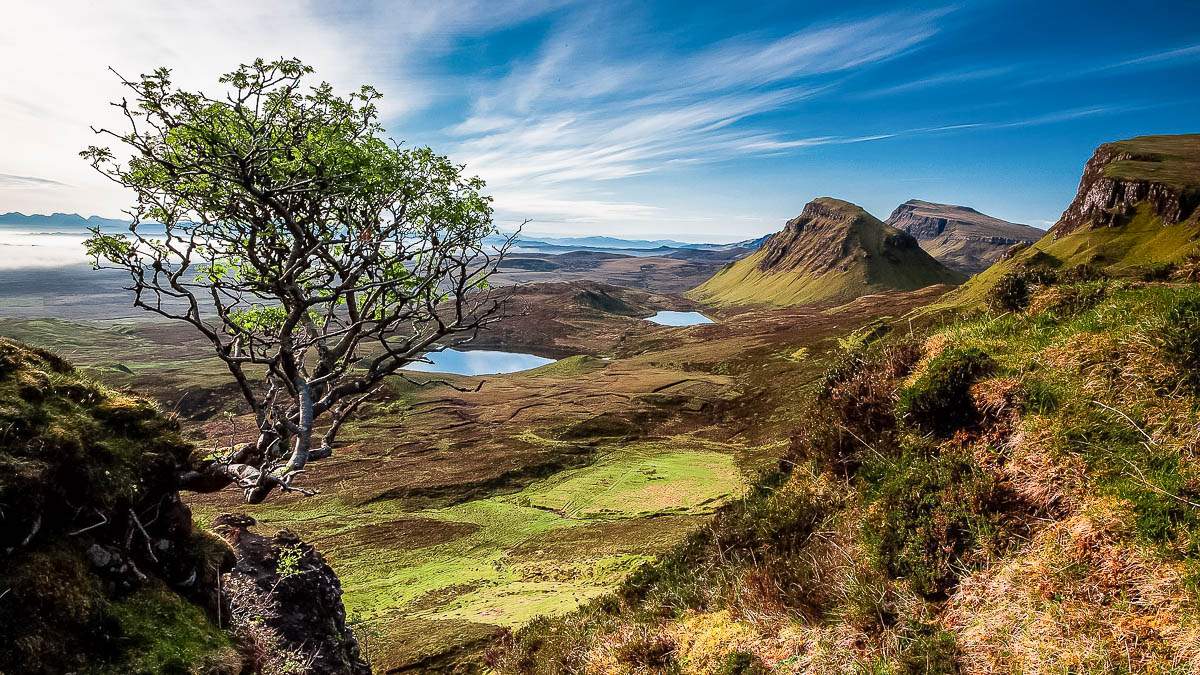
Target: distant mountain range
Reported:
[(67, 220), (640, 244), (75, 221)]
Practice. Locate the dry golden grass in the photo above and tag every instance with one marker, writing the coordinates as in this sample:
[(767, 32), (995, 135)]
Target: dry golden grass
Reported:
[(1040, 473), (1080, 597)]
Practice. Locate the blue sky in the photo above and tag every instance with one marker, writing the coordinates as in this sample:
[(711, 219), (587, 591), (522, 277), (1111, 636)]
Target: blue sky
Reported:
[(697, 121)]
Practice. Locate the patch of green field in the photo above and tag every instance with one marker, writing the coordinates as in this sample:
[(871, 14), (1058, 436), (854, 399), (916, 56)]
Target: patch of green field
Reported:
[(641, 480), (514, 604), (571, 366), (80, 342), (512, 567)]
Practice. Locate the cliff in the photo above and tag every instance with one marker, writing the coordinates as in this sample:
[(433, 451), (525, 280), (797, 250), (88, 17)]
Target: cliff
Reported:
[(1160, 171), (1135, 214), (101, 567)]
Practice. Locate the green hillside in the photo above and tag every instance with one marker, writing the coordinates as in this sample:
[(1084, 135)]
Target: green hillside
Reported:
[(1014, 492), (832, 253), (87, 586)]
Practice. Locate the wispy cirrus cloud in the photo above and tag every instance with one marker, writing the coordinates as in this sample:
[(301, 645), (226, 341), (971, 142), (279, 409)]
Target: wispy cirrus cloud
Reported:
[(936, 81), (48, 103), (11, 182), (1156, 59), (575, 116)]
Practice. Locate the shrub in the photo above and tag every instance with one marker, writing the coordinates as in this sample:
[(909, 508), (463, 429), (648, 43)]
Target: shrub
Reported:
[(940, 400), (1188, 270), (856, 404), (1077, 274), (1158, 271), (928, 515), (1179, 341), (648, 649), (1070, 299), (741, 663), (930, 652), (1010, 294)]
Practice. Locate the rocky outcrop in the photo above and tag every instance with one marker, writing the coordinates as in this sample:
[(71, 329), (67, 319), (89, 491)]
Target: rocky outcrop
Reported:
[(827, 235), (1161, 171), (285, 604), (960, 237)]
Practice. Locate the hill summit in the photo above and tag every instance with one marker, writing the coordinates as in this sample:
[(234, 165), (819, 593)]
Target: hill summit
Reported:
[(834, 251), (1136, 213), (1162, 172), (960, 237)]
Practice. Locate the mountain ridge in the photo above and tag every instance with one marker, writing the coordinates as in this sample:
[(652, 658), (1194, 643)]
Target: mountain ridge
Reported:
[(834, 251), (1136, 212)]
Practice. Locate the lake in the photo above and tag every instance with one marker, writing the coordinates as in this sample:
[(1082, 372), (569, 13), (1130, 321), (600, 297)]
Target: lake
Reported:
[(478, 362), (679, 318)]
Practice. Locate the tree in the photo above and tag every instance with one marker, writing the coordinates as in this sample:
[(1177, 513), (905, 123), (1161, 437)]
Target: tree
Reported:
[(316, 257)]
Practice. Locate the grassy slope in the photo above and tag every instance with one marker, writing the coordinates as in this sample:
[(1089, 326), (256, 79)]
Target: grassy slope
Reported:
[(1136, 246), (1054, 528), (1173, 160)]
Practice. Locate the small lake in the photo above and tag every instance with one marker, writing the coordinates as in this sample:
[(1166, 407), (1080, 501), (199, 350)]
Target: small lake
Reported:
[(478, 362), (679, 318)]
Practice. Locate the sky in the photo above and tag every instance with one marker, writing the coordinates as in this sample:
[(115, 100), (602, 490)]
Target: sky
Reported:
[(713, 121)]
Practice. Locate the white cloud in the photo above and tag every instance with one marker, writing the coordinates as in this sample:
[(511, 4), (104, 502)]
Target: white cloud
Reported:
[(578, 114), (55, 83)]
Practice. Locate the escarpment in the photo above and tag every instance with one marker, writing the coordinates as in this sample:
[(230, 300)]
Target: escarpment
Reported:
[(1160, 171), (102, 569)]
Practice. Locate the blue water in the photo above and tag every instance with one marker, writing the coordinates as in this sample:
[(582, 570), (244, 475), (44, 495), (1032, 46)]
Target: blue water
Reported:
[(478, 362), (679, 318)]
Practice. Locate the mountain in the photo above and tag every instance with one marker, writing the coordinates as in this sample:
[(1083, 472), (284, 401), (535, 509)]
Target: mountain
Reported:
[(960, 237), (1135, 213), (834, 251), (69, 220)]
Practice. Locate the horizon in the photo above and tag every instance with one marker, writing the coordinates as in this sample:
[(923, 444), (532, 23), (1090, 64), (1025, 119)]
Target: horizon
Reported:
[(657, 121)]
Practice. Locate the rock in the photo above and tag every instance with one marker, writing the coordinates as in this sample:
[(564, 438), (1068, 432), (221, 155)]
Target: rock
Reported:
[(285, 604), (1159, 170), (100, 557)]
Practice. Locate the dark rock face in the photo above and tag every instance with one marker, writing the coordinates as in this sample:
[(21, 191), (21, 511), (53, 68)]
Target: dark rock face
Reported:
[(1105, 201), (960, 237), (285, 604)]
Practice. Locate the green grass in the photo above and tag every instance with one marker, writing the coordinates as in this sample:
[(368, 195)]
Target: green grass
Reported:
[(646, 479), (1150, 474), (165, 634), (1174, 160), (572, 366), (1140, 244), (511, 566)]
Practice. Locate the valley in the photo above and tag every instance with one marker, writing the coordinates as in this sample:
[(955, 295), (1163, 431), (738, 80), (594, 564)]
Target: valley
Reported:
[(450, 515)]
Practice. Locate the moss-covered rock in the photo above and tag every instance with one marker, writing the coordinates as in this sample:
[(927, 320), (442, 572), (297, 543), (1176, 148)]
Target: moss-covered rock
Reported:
[(100, 567)]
